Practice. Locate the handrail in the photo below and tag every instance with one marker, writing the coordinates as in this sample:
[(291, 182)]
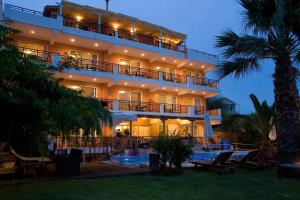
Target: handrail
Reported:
[(205, 81), (139, 106), (89, 64), (137, 71), (177, 78), (176, 108), (30, 11), (102, 66)]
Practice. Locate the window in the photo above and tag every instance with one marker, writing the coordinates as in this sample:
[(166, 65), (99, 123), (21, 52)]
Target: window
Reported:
[(131, 63), (85, 91), (167, 99), (166, 69), (34, 49), (83, 55), (130, 96), (33, 46)]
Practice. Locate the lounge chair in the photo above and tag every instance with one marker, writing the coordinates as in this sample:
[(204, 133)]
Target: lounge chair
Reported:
[(220, 162), (30, 164), (7, 164), (242, 160), (265, 158)]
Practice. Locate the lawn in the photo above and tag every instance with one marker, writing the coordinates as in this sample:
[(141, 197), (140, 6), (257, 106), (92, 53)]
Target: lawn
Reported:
[(257, 185)]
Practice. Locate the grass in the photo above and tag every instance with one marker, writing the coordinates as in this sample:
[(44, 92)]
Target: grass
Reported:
[(189, 185)]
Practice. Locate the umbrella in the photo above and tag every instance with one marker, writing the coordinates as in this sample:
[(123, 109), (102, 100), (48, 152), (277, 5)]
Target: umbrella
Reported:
[(272, 134), (208, 131)]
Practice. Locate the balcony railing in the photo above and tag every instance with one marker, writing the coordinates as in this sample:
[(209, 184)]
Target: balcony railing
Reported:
[(204, 81), (32, 12), (139, 106), (78, 63), (200, 110), (176, 78), (87, 64), (137, 71), (176, 108), (107, 103), (44, 56), (215, 112)]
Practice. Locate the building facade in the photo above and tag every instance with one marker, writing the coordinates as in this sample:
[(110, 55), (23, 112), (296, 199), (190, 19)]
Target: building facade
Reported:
[(144, 73)]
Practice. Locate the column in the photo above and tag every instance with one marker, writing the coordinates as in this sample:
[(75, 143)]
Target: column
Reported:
[(163, 119), (192, 132), (130, 134), (160, 38), (99, 22), (60, 9)]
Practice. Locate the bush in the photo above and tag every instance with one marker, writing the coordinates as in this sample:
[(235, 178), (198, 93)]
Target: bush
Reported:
[(172, 151)]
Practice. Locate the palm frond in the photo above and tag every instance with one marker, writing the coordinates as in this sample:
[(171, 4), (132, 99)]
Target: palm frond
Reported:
[(238, 67), (258, 15), (255, 102), (246, 45)]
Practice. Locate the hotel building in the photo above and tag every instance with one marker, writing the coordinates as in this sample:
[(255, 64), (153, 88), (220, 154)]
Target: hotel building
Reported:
[(144, 73)]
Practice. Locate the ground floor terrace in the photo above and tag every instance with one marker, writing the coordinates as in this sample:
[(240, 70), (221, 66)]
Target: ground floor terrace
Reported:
[(140, 131)]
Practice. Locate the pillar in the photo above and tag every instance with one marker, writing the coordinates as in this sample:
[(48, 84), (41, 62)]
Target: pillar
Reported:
[(130, 134), (99, 22), (60, 9), (164, 125), (192, 133), (160, 38)]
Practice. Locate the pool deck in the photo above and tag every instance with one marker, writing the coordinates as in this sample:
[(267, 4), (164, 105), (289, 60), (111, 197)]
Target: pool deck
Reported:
[(97, 169)]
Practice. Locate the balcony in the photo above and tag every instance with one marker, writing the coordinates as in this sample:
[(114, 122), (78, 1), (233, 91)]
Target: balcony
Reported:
[(121, 33), (68, 62), (158, 109), (50, 21)]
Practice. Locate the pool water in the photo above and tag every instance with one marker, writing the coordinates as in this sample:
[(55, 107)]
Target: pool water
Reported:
[(144, 159)]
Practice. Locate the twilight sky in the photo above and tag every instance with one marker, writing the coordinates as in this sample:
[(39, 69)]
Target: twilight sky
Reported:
[(201, 20)]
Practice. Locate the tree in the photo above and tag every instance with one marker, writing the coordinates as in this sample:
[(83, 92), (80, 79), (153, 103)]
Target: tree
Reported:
[(263, 118), (33, 105), (272, 31)]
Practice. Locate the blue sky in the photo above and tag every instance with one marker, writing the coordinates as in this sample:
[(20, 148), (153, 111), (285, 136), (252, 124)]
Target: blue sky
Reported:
[(201, 20)]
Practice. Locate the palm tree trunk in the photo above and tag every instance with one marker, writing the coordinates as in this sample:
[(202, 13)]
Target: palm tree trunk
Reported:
[(287, 110)]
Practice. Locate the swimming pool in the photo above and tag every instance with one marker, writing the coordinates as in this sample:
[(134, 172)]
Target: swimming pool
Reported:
[(144, 158)]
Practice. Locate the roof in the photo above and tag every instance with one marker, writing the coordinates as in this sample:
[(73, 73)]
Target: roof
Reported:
[(121, 16), (228, 101)]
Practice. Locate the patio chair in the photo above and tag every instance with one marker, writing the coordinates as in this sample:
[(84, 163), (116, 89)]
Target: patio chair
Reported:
[(7, 164), (220, 162), (242, 160), (265, 158), (30, 164)]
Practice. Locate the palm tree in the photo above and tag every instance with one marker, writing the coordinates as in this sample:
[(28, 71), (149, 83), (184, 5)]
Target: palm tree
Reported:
[(272, 31), (263, 118)]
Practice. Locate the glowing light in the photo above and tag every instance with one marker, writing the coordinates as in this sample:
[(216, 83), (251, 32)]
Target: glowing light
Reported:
[(142, 54), (96, 44), (121, 92), (202, 66), (126, 51), (32, 32), (27, 51), (163, 58), (191, 64), (70, 76), (193, 91), (164, 88), (143, 85), (157, 67), (94, 79), (125, 83), (116, 26), (79, 18), (122, 62), (175, 61), (72, 40), (144, 118), (176, 90), (203, 93)]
